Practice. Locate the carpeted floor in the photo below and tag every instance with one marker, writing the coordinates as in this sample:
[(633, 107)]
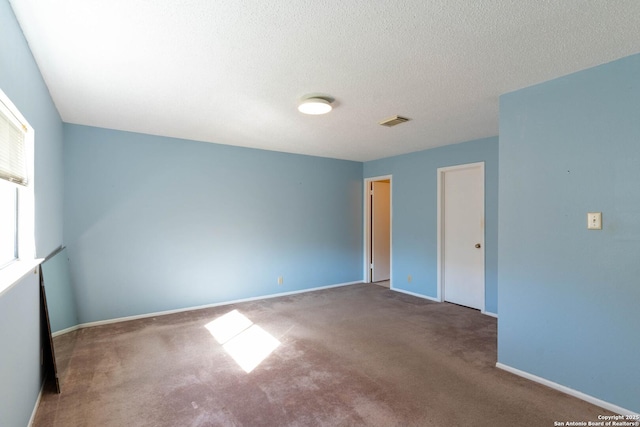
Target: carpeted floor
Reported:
[(349, 356), (383, 283)]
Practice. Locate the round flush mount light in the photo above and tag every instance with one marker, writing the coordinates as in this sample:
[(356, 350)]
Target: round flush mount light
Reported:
[(315, 105)]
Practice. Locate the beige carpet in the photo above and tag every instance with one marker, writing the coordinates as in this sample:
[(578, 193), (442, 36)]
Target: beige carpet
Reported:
[(350, 356), (383, 283)]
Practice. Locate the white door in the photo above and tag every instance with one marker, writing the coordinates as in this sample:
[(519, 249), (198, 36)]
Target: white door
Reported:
[(462, 228), (380, 230)]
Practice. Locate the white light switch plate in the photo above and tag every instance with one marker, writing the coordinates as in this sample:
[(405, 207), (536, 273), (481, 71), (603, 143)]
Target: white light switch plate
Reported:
[(594, 220)]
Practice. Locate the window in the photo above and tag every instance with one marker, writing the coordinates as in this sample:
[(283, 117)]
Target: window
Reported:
[(8, 223), (16, 189)]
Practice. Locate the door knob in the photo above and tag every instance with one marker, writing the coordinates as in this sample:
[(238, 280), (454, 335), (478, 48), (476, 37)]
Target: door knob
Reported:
[(478, 246)]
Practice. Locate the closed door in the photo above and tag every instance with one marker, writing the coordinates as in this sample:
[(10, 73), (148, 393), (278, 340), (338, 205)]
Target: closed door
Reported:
[(380, 230), (463, 235)]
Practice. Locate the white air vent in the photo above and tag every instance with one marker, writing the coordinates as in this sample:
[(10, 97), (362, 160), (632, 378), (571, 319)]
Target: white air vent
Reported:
[(392, 121)]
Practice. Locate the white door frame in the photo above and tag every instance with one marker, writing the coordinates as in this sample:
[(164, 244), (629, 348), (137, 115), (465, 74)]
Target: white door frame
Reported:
[(440, 232), (367, 227)]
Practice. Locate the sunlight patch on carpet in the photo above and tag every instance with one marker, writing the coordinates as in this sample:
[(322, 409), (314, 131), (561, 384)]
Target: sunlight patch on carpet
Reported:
[(248, 344), (228, 326)]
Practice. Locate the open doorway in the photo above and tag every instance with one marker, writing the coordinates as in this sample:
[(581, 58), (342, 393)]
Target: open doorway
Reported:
[(378, 230)]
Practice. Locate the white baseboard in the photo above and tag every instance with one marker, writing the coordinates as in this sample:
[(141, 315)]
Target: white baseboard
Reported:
[(571, 392), (488, 313), (35, 407), (415, 294), (64, 331), (199, 307)]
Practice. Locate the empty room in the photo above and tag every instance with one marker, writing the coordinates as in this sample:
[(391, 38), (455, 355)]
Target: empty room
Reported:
[(416, 213)]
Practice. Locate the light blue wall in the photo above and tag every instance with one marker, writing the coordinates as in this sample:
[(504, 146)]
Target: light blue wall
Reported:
[(568, 296), (59, 292), (20, 368), (414, 188), (155, 223), (21, 81)]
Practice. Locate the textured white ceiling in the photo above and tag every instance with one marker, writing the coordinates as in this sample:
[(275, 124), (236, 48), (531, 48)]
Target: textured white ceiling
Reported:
[(232, 72)]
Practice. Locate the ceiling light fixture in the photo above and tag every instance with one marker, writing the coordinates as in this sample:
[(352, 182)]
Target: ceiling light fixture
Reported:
[(315, 105)]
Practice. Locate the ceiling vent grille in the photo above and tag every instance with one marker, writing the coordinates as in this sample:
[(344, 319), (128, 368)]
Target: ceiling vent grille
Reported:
[(392, 121)]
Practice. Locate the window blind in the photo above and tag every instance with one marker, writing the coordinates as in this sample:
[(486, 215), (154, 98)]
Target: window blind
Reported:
[(12, 148)]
